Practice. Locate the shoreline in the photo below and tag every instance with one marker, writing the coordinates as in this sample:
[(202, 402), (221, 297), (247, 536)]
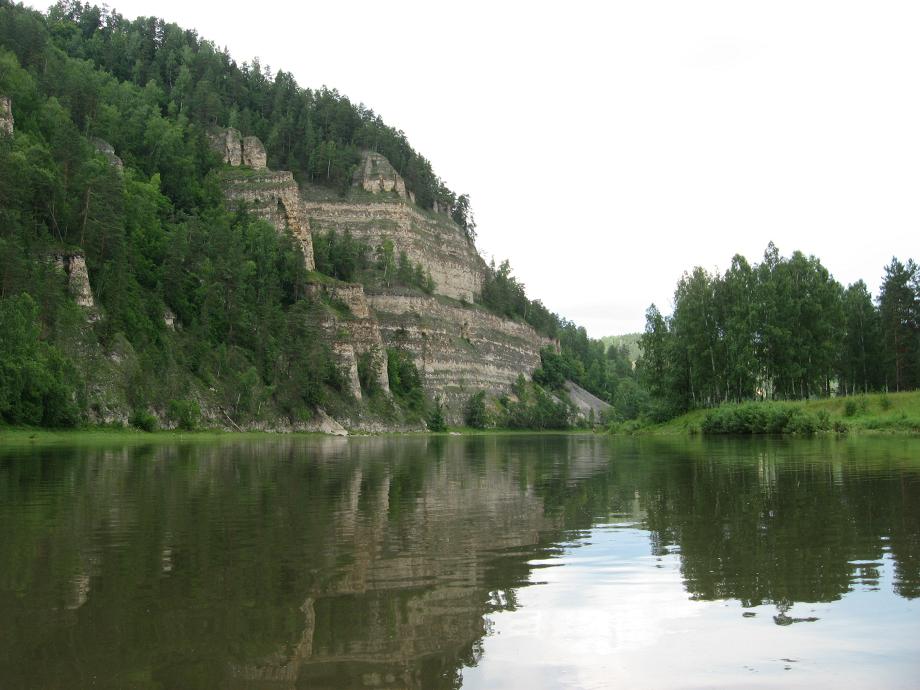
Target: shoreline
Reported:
[(24, 436)]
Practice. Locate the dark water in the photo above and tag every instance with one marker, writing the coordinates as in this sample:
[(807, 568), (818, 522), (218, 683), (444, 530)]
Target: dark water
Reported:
[(482, 562)]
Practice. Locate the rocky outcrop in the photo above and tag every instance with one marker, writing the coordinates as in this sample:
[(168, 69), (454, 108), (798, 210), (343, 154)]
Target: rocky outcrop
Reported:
[(254, 153), (235, 149), (107, 150), (432, 240), (273, 197), (458, 349), (376, 175), (270, 195), (6, 116), (353, 335), (228, 143), (73, 265)]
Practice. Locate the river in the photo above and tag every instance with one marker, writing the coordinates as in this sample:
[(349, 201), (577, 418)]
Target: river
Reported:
[(495, 561)]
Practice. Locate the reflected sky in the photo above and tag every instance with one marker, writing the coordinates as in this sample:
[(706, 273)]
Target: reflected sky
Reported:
[(607, 614)]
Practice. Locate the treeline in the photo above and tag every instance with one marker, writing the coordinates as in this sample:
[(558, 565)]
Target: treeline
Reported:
[(783, 329)]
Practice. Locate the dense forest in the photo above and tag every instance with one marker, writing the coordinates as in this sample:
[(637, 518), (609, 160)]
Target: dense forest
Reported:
[(782, 329), (159, 240), (157, 236)]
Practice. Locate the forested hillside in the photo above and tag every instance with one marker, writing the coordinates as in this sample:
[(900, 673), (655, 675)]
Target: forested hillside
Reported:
[(782, 329), (158, 241), (108, 172)]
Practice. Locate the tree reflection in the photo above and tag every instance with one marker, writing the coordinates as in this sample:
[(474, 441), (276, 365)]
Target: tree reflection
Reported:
[(375, 562)]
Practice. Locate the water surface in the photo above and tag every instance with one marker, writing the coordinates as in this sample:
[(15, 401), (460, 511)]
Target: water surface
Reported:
[(478, 562)]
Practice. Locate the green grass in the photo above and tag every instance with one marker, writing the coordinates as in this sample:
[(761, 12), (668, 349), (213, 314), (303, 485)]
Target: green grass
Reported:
[(17, 436), (872, 413)]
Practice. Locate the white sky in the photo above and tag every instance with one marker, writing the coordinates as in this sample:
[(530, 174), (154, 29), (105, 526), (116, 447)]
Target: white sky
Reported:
[(609, 146)]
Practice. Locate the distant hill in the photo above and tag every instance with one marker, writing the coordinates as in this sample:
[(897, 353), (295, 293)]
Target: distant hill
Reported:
[(630, 340)]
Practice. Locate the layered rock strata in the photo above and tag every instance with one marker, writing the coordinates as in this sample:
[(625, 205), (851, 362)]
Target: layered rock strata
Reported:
[(270, 195), (375, 174), (432, 240), (458, 350), (355, 335)]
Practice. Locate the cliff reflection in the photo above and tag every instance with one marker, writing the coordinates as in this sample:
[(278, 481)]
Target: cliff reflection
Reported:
[(375, 562)]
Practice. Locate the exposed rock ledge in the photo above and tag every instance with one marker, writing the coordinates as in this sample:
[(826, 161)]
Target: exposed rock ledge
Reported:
[(73, 265), (433, 241), (6, 116), (458, 350)]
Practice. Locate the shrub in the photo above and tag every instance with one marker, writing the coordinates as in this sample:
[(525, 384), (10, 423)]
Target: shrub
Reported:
[(184, 413), (369, 371), (885, 402), (143, 420), (475, 414), (436, 418), (763, 418), (849, 407), (405, 382)]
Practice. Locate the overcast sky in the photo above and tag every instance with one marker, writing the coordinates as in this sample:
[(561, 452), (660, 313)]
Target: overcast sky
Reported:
[(607, 147)]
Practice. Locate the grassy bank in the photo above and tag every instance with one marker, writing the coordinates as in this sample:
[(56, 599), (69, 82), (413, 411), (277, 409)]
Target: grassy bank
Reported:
[(872, 413), (17, 436), (10, 436)]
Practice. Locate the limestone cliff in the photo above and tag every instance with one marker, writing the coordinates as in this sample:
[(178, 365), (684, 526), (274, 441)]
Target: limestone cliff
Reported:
[(430, 239), (458, 349), (375, 174), (353, 335), (270, 195)]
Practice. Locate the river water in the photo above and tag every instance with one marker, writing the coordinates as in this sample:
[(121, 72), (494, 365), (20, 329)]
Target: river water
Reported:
[(479, 562)]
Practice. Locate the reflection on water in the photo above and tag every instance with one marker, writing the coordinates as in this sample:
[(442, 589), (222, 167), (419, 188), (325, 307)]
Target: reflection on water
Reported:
[(538, 561)]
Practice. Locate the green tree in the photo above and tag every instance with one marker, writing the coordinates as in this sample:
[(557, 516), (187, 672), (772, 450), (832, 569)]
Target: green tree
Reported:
[(899, 307)]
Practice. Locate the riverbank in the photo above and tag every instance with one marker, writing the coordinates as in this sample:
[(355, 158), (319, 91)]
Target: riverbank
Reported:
[(18, 436), (885, 413)]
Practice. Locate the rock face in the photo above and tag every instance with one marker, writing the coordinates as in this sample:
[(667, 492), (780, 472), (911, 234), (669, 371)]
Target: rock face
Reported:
[(254, 153), (377, 175), (235, 149), (272, 196), (589, 406), (354, 335), (6, 116), (107, 150), (458, 350), (73, 265), (228, 143), (432, 240)]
